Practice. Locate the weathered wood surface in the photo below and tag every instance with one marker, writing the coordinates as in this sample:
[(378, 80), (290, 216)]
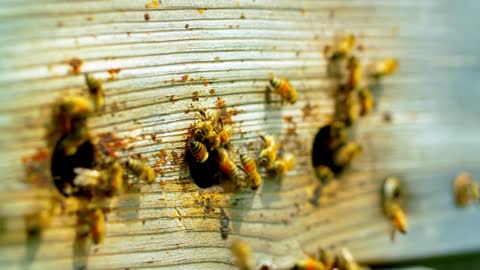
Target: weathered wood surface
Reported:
[(433, 136)]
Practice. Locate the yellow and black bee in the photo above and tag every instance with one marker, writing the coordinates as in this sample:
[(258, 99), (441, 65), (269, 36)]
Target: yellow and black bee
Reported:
[(384, 67), (284, 89), (284, 164), (226, 165), (250, 168), (269, 152), (141, 170), (391, 204), (198, 150), (466, 189), (225, 134), (242, 252), (97, 226)]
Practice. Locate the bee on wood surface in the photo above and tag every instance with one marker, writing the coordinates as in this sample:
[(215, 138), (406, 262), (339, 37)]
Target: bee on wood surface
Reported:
[(466, 189), (284, 89), (365, 98), (384, 67), (227, 166), (141, 170), (225, 134), (341, 49), (269, 152), (205, 132), (250, 168), (309, 264), (391, 204), (95, 89), (242, 252), (198, 150), (97, 226), (346, 108), (284, 164), (346, 153)]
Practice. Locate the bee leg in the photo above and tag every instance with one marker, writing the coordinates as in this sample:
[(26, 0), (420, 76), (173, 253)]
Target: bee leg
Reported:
[(316, 195)]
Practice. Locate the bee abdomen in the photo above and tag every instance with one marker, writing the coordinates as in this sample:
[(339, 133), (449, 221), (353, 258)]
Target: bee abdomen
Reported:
[(198, 150)]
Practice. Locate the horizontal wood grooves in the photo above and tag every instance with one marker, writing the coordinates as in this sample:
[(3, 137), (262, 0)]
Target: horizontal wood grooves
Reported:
[(229, 49)]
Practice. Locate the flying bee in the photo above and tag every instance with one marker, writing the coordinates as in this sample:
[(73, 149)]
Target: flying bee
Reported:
[(309, 264), (95, 89), (88, 177), (225, 134), (97, 225), (341, 49), (250, 169), (284, 164), (384, 67), (466, 189), (198, 150), (284, 89), (365, 98), (355, 72), (242, 252), (141, 170), (227, 166), (269, 152), (346, 153), (391, 204)]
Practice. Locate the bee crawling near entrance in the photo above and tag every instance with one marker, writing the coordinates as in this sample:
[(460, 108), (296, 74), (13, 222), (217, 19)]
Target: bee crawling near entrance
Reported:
[(141, 170), (250, 168), (269, 152), (198, 150), (95, 89), (225, 134), (346, 153), (242, 252), (284, 89), (97, 226), (227, 166), (283, 165), (391, 204), (466, 189), (366, 101)]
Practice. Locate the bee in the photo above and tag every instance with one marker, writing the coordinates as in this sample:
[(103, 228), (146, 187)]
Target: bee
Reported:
[(116, 177), (345, 261), (210, 115), (384, 67), (309, 264), (250, 169), (346, 108), (224, 224), (391, 200), (284, 89), (95, 89), (355, 72), (466, 189), (346, 153), (198, 150), (88, 177), (204, 131), (141, 170), (366, 101), (341, 49), (338, 135), (227, 166), (97, 225), (284, 164), (269, 152), (75, 139), (326, 258), (242, 252), (324, 174), (225, 134), (70, 110)]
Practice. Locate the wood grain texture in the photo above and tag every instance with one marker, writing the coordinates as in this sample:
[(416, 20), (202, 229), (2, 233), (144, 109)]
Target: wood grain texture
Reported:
[(234, 45)]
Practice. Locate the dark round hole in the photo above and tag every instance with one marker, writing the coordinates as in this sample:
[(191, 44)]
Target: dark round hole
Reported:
[(322, 151), (62, 165), (204, 174)]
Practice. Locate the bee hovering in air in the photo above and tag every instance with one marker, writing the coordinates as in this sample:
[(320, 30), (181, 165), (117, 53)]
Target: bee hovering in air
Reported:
[(367, 103), (466, 189), (346, 153), (198, 150), (95, 89), (141, 170), (269, 152), (242, 253), (97, 225), (227, 166), (284, 164), (383, 67), (284, 89), (391, 204), (250, 168)]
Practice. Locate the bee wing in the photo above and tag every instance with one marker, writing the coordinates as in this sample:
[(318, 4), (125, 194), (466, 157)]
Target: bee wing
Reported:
[(86, 177)]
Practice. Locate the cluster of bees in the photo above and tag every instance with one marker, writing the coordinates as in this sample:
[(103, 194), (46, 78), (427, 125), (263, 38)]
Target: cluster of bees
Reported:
[(83, 174), (466, 189)]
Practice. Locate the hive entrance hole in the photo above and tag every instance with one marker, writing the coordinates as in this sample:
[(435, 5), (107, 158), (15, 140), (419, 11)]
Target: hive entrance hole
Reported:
[(322, 154), (206, 174), (62, 165)]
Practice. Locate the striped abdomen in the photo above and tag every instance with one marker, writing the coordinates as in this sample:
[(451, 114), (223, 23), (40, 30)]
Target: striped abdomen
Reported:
[(198, 150)]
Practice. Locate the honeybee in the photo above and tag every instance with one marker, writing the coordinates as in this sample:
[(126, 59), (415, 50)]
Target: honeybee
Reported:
[(366, 101), (69, 111), (210, 115), (309, 264), (116, 177), (269, 152), (325, 257), (346, 153), (284, 89), (198, 150), (95, 89), (341, 49), (345, 261), (250, 169), (242, 252), (391, 200), (338, 135), (141, 170), (466, 189), (384, 67), (225, 134), (284, 164), (355, 72), (97, 225), (324, 174), (346, 108), (205, 132), (75, 139), (227, 166)]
